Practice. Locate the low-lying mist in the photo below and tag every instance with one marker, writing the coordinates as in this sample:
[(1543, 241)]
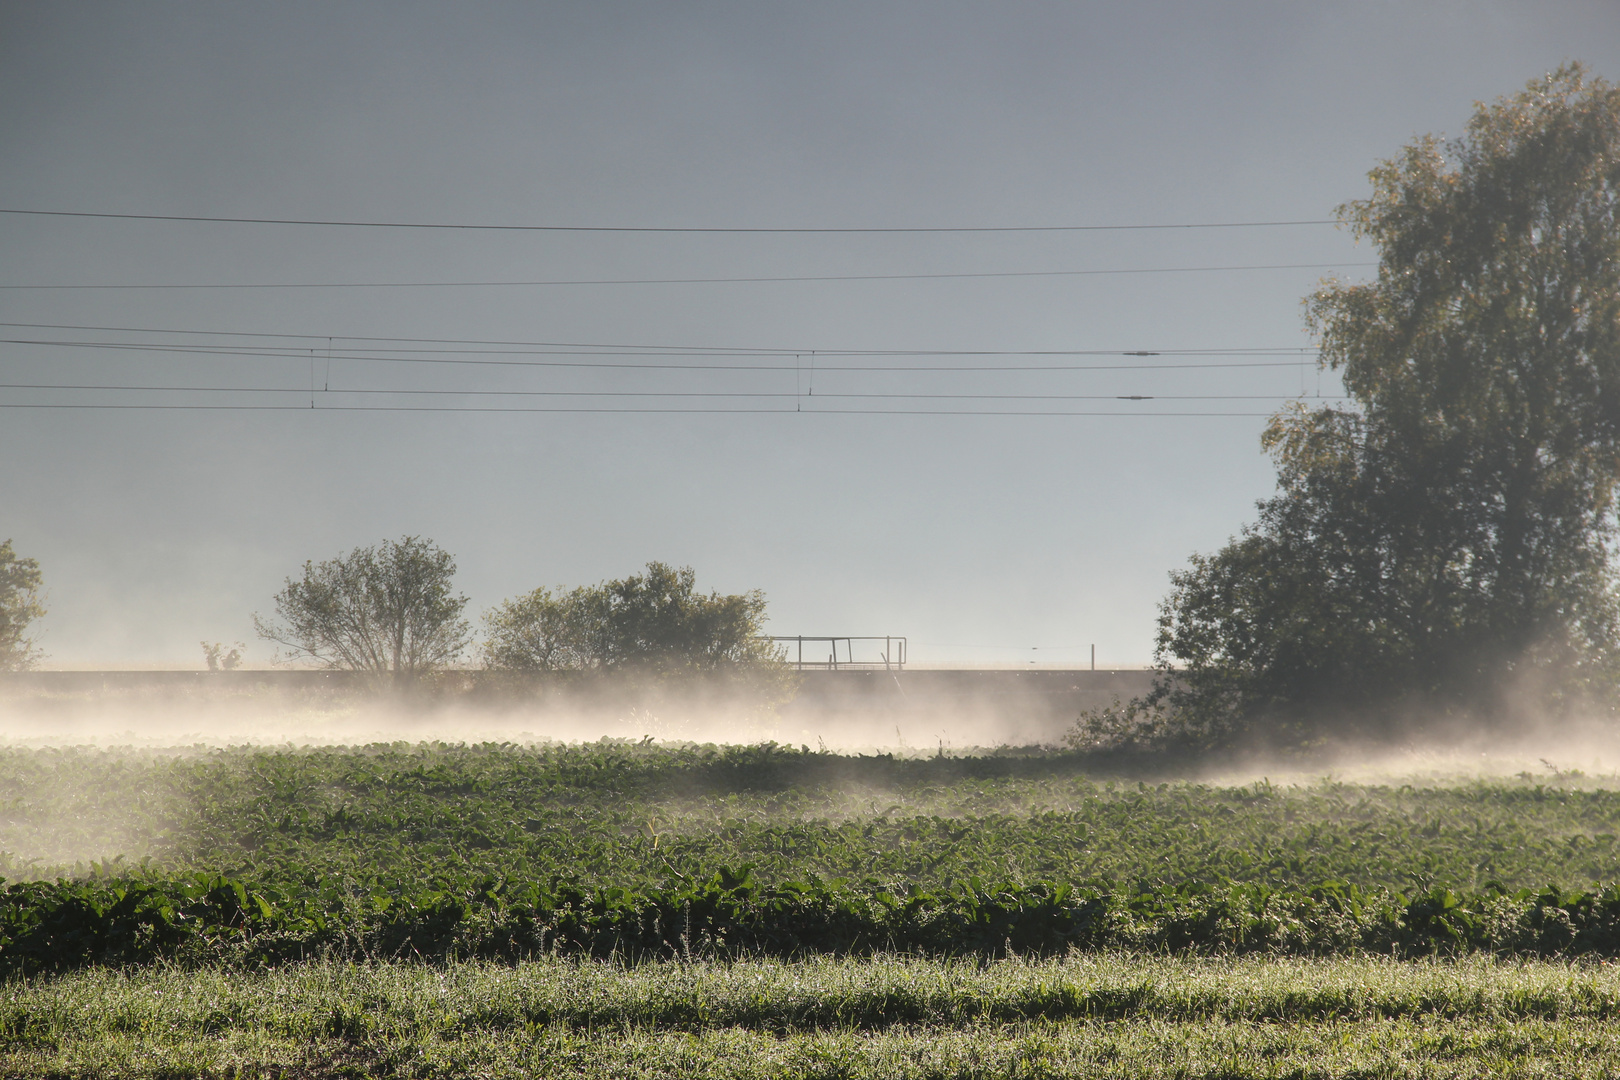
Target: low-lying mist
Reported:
[(886, 716), (631, 812), (912, 712)]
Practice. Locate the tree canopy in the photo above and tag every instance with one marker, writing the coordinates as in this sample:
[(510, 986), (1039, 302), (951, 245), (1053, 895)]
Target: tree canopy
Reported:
[(20, 605), (649, 628), (387, 610), (1444, 545)]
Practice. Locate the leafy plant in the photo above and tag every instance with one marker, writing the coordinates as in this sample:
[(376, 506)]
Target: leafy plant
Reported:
[(636, 849)]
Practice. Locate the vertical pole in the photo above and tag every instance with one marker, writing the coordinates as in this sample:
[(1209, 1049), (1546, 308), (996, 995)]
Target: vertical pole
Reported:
[(1094, 658)]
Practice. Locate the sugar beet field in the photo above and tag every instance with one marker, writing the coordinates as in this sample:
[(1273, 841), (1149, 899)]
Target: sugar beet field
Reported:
[(629, 909)]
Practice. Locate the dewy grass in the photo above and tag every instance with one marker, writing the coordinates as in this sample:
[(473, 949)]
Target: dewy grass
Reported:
[(1082, 1016)]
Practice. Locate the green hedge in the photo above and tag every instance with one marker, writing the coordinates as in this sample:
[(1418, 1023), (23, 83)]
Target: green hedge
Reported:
[(62, 924)]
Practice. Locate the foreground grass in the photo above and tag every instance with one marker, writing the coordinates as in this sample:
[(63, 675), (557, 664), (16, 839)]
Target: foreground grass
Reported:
[(890, 1017)]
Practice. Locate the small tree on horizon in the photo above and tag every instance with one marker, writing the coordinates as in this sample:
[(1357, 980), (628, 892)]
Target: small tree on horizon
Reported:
[(20, 604), (649, 629), (388, 611)]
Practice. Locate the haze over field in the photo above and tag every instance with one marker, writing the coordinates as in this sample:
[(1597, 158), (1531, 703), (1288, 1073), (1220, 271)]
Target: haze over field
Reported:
[(981, 537), (1573, 752)]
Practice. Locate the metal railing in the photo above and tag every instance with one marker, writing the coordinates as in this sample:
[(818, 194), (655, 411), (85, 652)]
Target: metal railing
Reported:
[(891, 658)]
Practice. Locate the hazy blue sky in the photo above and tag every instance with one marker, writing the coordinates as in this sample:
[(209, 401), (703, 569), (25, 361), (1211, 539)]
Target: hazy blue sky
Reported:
[(979, 536)]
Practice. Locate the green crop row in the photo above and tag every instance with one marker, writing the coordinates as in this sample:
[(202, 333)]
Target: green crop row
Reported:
[(425, 818), (64, 924)]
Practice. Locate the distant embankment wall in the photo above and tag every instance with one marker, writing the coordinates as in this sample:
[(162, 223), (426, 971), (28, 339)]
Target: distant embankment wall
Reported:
[(1061, 691), (915, 707), (962, 706)]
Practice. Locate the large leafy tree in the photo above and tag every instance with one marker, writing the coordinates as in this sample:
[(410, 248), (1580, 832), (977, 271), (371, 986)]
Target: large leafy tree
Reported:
[(658, 622), (388, 611), (548, 631), (20, 605), (1443, 546), (654, 628)]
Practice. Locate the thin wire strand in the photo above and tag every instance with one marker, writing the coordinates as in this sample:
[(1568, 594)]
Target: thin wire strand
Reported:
[(515, 409), (727, 230), (688, 280), (1289, 350), (648, 393), (620, 365)]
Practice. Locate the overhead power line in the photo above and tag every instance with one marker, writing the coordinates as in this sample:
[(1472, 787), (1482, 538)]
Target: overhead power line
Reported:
[(384, 391), (719, 230), (719, 399), (685, 280), (614, 409), (674, 361), (674, 350)]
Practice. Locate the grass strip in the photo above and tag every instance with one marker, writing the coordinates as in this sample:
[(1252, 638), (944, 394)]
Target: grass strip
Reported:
[(1107, 1015)]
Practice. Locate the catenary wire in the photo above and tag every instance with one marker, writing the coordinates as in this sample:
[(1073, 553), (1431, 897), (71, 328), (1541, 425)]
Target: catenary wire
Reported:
[(684, 281), (908, 396), (1289, 350), (575, 409), (719, 230), (302, 354)]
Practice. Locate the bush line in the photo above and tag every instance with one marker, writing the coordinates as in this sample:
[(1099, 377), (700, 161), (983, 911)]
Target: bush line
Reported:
[(58, 925)]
